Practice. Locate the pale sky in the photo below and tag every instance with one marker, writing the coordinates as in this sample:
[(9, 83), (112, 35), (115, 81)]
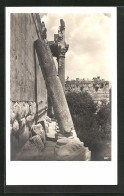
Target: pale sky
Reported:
[(89, 39)]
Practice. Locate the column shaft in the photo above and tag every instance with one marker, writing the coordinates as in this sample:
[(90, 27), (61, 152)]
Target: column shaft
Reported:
[(61, 70), (54, 87)]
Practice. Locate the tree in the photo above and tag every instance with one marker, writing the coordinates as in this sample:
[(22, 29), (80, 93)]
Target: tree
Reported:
[(83, 109), (87, 121), (104, 117), (81, 103), (104, 114)]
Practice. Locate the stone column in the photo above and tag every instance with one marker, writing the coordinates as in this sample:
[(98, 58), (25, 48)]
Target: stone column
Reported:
[(68, 146), (54, 87), (58, 48), (61, 70), (62, 49)]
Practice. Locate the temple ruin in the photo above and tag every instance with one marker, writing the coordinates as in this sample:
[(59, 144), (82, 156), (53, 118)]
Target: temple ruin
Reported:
[(99, 89), (37, 88)]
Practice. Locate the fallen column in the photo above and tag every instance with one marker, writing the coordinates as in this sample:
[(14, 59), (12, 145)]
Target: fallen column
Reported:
[(54, 87), (68, 146)]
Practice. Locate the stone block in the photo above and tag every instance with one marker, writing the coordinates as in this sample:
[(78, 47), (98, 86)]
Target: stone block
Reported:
[(12, 116), (15, 107), (32, 149), (24, 135), (30, 120), (21, 110), (60, 135), (37, 141), (22, 123), (48, 119), (26, 108), (38, 130), (32, 108), (71, 149), (15, 127)]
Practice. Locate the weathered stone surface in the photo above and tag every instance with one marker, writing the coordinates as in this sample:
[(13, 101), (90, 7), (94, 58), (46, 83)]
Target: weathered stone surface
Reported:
[(36, 140), (12, 116), (26, 109), (38, 130), (54, 86), (22, 122), (51, 130), (48, 119), (15, 108), (32, 149), (24, 135), (30, 120), (60, 135), (74, 133), (15, 127), (68, 149), (32, 108), (21, 110)]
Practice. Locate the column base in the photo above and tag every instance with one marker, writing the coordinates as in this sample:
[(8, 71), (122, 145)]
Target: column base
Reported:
[(71, 149)]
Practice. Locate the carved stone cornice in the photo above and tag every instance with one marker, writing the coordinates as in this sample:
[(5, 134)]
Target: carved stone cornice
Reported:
[(58, 46)]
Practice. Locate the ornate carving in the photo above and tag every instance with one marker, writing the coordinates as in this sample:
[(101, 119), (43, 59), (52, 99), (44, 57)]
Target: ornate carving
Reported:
[(62, 23), (62, 51), (44, 31), (58, 46)]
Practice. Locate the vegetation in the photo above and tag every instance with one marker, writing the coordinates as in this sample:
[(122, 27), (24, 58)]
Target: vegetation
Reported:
[(93, 126)]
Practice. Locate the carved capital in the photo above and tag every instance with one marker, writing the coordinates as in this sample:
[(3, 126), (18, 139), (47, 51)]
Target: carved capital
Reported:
[(62, 23), (60, 36), (62, 51)]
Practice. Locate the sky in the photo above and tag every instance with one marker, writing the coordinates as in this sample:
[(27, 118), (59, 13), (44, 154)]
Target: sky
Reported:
[(89, 39)]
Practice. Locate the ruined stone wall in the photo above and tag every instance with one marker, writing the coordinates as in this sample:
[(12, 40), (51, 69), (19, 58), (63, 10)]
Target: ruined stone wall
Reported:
[(28, 94), (98, 91), (22, 117)]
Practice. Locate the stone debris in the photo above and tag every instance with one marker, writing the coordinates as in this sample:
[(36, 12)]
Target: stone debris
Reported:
[(32, 149), (23, 122), (71, 149), (12, 116), (50, 126), (30, 121), (15, 108), (21, 110), (15, 127), (32, 142), (51, 131), (22, 118), (48, 119), (32, 108), (26, 109), (38, 130)]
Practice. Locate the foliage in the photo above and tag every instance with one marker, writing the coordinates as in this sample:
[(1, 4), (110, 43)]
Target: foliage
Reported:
[(104, 115), (91, 126), (81, 103)]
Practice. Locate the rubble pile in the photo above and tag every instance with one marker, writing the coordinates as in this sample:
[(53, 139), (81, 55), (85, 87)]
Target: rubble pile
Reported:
[(22, 117)]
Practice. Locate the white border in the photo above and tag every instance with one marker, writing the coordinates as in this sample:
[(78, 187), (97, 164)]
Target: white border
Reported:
[(62, 173)]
